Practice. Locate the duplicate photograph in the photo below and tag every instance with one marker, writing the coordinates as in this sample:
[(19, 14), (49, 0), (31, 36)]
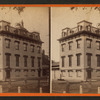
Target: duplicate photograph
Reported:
[(75, 49), (24, 50)]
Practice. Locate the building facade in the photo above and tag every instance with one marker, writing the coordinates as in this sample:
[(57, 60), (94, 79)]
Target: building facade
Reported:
[(20, 53), (55, 71), (80, 52), (45, 64)]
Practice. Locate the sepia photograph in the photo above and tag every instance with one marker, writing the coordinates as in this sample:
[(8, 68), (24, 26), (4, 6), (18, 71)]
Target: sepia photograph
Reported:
[(24, 50), (75, 49)]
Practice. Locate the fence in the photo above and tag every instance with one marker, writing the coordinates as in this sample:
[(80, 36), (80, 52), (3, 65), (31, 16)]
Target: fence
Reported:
[(19, 89), (80, 90), (40, 85)]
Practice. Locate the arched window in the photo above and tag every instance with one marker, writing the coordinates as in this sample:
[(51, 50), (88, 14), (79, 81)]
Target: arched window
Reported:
[(79, 28), (68, 31), (88, 28), (64, 33), (72, 32), (7, 28), (97, 31)]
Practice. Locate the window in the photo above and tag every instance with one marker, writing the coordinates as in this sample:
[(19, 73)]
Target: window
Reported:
[(78, 43), (63, 61), (39, 59), (17, 59), (78, 59), (70, 45), (8, 59), (88, 43), (70, 72), (7, 43), (25, 61), (17, 45), (39, 49), (63, 73), (64, 34), (25, 46), (7, 28), (97, 31), (32, 48), (70, 60), (88, 28), (98, 45), (79, 28), (98, 60), (63, 47), (78, 73), (89, 59), (32, 61)]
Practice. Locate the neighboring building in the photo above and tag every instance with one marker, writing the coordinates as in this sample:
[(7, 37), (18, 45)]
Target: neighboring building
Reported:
[(80, 52), (45, 64), (56, 74), (20, 53)]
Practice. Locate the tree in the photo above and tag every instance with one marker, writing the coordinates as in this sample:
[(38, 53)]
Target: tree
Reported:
[(85, 8), (18, 9)]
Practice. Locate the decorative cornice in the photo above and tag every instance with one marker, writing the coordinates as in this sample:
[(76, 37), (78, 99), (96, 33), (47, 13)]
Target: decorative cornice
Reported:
[(7, 33), (79, 33)]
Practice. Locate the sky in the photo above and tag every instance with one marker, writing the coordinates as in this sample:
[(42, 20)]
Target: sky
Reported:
[(62, 17), (34, 18)]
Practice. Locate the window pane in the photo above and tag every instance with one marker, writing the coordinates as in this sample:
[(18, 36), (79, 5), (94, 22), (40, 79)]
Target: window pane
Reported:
[(70, 60), (32, 48), (25, 46), (88, 43), (70, 72), (78, 44), (39, 49), (63, 61), (17, 45), (7, 43), (89, 60), (98, 61), (39, 62), (98, 45), (78, 59), (25, 61), (32, 61), (63, 47), (70, 46), (8, 60), (78, 73)]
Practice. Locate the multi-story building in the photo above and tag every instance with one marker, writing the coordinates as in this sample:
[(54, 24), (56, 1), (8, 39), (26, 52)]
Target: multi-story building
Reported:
[(45, 64), (55, 70), (20, 53), (80, 52)]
